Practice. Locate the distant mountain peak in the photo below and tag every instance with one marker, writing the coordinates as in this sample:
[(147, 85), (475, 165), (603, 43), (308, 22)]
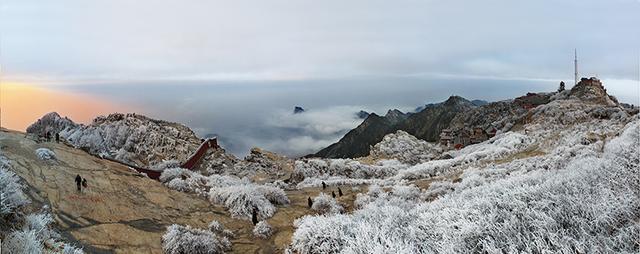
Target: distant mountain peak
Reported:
[(362, 114), (298, 110)]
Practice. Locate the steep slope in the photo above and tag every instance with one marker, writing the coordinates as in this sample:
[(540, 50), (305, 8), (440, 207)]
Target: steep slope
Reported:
[(428, 123), (356, 142)]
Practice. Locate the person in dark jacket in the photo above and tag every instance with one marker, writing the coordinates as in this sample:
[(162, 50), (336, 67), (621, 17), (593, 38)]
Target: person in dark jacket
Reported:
[(324, 185), (84, 183), (254, 216), (309, 202), (339, 192), (333, 194), (57, 137), (79, 182)]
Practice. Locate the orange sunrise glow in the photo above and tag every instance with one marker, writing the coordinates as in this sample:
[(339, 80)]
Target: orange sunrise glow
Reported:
[(22, 104)]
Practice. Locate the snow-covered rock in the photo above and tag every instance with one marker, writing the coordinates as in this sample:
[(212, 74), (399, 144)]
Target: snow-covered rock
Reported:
[(45, 154)]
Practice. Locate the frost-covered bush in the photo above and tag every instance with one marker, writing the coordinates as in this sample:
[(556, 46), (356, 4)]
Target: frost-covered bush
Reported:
[(240, 196), (492, 149), (262, 230), (242, 201), (11, 191), (439, 188), (216, 227), (402, 196), (405, 148), (45, 154), (312, 172), (37, 236), (589, 204), (325, 204), (184, 239), (23, 242)]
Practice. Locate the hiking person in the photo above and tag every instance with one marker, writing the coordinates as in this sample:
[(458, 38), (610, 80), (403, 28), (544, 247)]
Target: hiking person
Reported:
[(84, 183), (324, 185), (57, 137), (339, 192), (333, 194), (254, 216), (79, 182), (309, 202)]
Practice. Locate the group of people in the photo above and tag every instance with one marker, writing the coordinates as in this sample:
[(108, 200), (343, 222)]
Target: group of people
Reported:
[(81, 182), (48, 137)]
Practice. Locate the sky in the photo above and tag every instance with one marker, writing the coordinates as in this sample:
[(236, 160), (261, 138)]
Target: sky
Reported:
[(237, 68)]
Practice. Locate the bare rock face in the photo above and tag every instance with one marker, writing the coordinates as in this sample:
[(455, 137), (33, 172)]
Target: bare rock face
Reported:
[(591, 89)]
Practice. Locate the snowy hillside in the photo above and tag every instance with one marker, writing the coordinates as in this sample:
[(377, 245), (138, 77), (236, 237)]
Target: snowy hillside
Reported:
[(567, 181)]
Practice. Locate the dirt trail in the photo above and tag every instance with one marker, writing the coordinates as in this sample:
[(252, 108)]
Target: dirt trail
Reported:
[(122, 212)]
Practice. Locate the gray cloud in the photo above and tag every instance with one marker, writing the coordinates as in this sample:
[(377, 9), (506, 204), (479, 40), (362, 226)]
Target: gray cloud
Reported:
[(70, 40)]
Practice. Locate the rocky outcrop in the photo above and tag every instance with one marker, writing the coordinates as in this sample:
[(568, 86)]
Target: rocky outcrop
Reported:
[(298, 110), (591, 89), (132, 138), (52, 123)]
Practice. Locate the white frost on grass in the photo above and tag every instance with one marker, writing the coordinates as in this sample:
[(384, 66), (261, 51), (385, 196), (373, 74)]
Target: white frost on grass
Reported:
[(45, 154), (590, 203)]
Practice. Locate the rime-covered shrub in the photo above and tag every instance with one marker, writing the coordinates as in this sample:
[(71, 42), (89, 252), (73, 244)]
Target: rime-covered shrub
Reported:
[(37, 236), (312, 172), (402, 196), (325, 204), (45, 154), (242, 201), (405, 148), (184, 239), (23, 242), (39, 223), (240, 196), (262, 230), (11, 191), (439, 188), (589, 204), (216, 227)]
